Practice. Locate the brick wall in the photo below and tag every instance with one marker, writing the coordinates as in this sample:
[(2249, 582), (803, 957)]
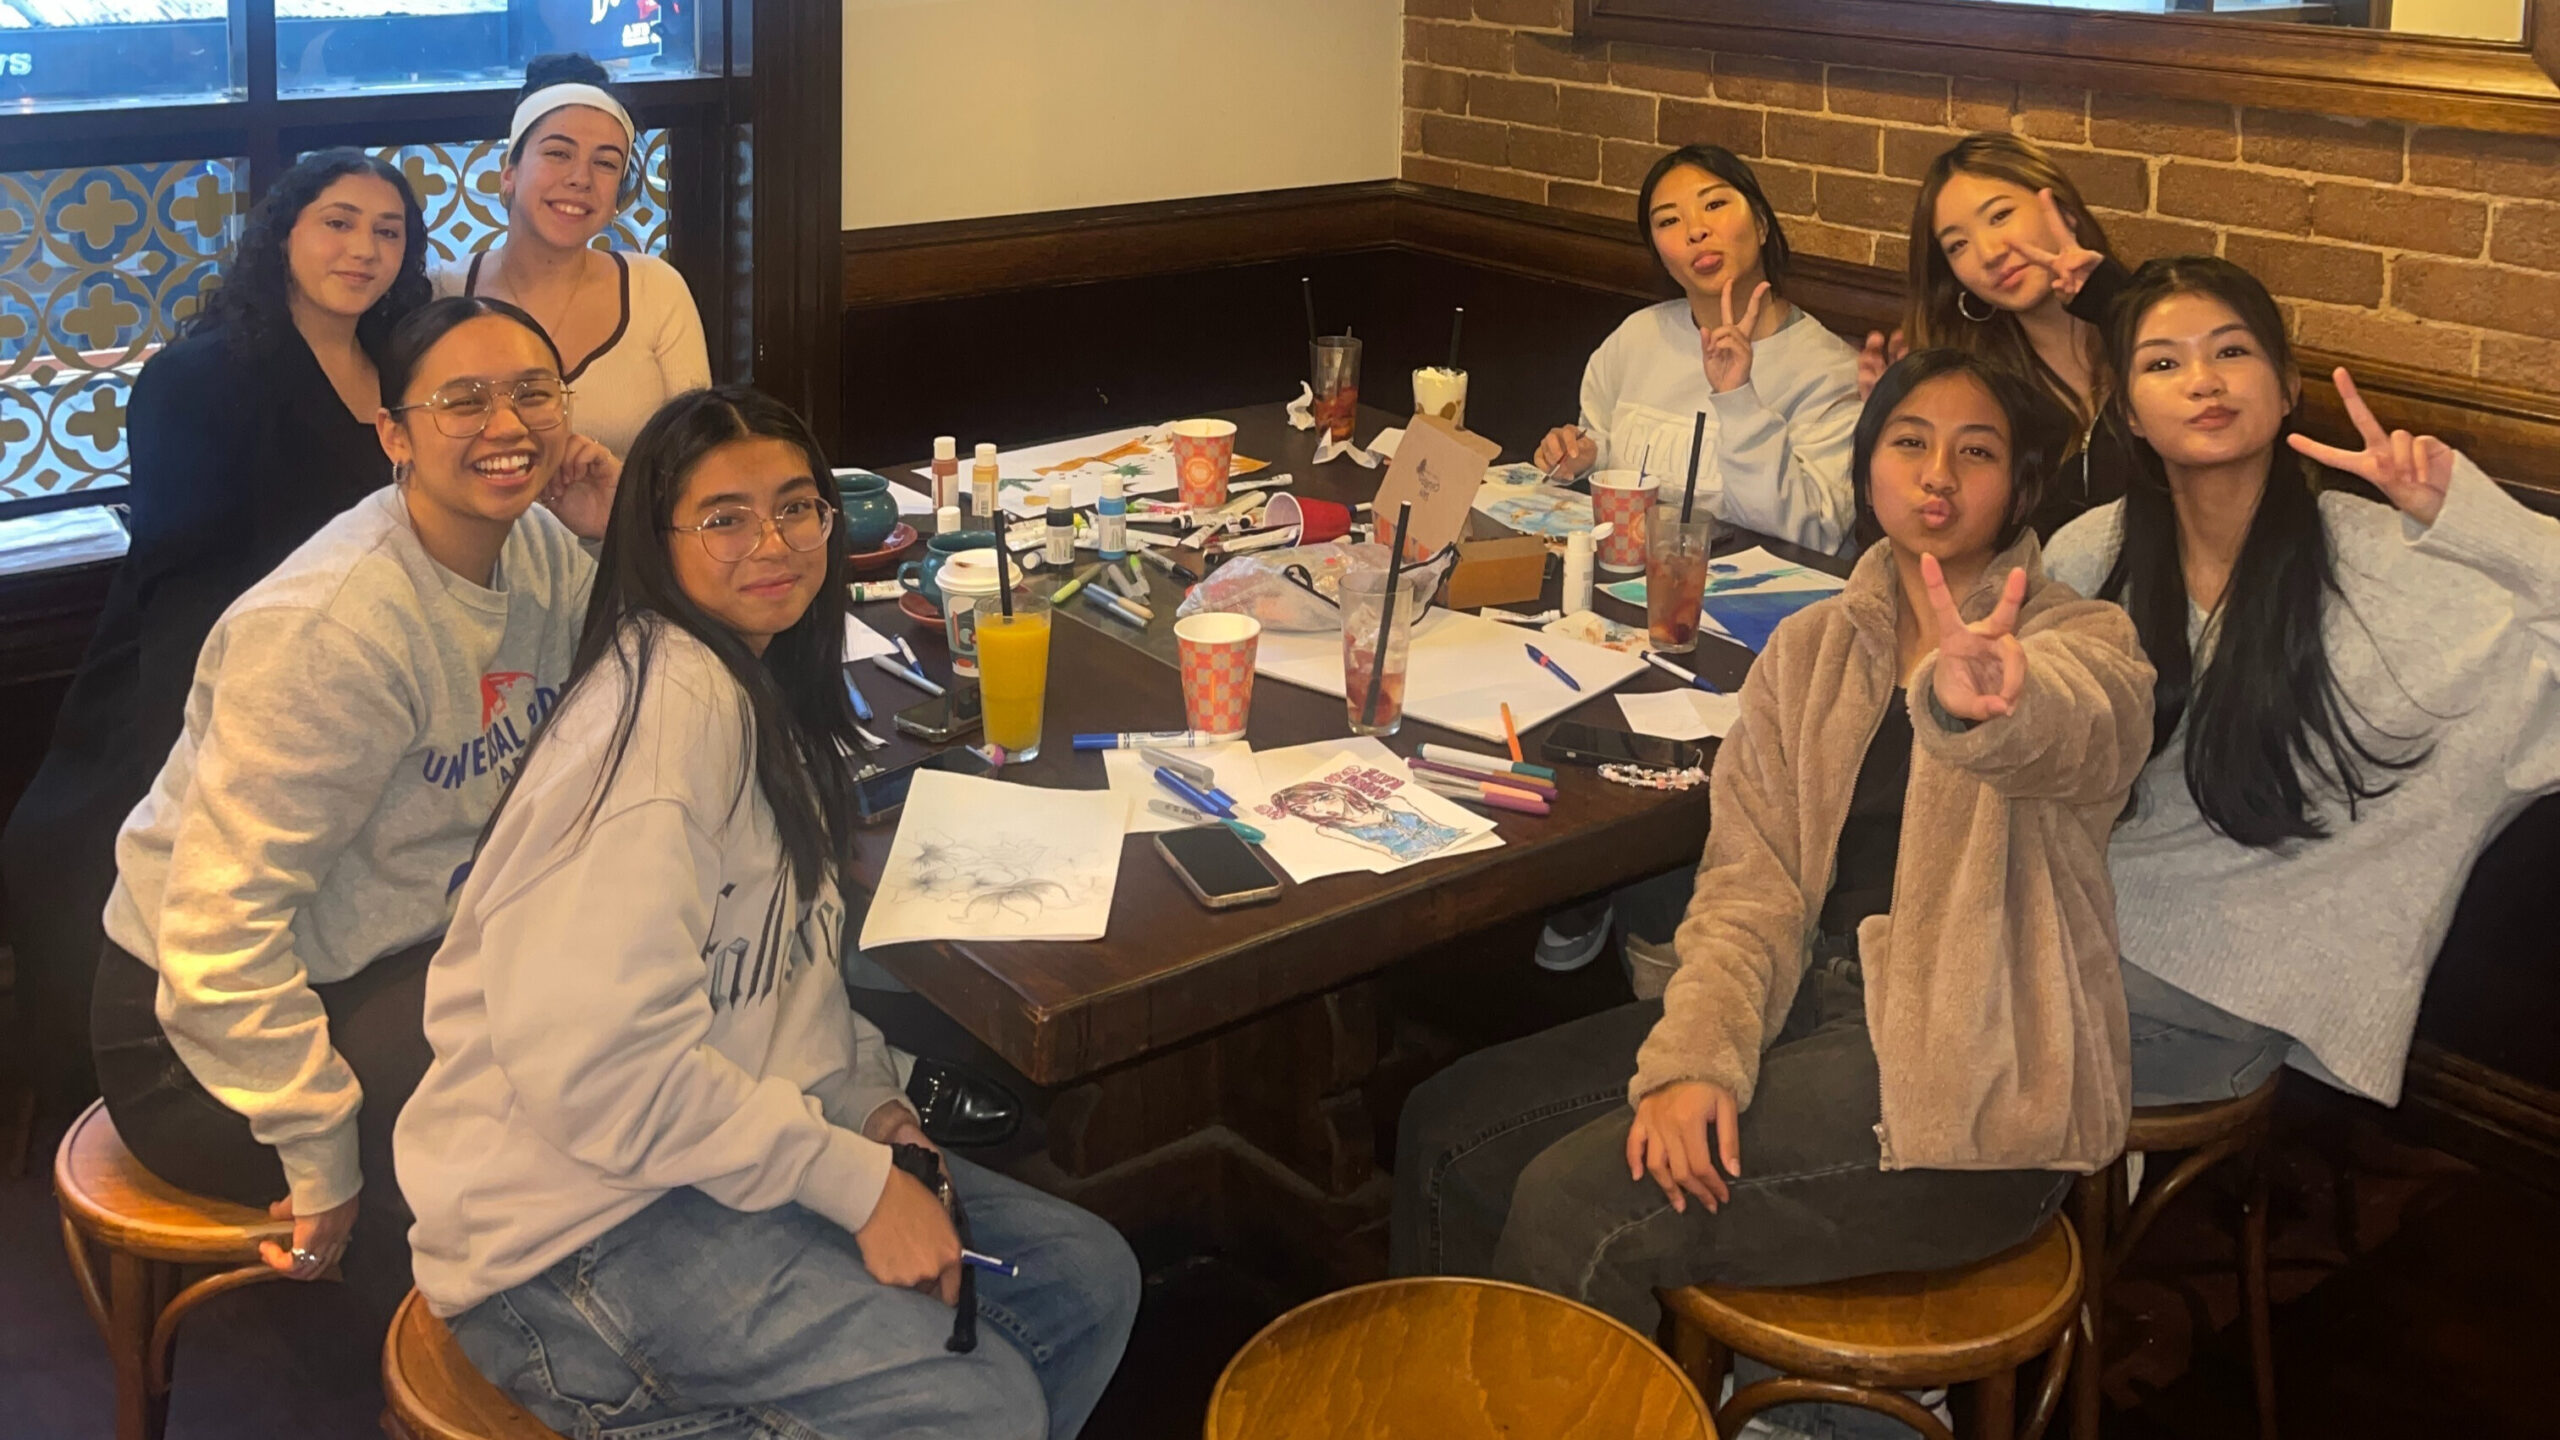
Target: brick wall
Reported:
[(2428, 247)]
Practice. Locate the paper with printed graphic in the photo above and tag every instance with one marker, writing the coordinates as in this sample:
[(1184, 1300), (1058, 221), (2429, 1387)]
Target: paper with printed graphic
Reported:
[(1142, 456), (980, 859), (1346, 813), (1748, 593)]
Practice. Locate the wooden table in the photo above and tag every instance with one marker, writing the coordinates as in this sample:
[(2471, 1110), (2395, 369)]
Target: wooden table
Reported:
[(1153, 1015)]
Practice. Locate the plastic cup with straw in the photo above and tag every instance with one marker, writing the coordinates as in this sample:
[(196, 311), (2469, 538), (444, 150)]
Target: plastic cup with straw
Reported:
[(1678, 544), (1365, 719)]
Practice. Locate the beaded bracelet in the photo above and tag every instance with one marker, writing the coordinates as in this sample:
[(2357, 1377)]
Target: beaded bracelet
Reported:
[(1648, 779)]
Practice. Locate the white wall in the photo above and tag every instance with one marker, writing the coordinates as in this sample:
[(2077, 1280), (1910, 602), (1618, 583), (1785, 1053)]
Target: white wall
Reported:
[(962, 108)]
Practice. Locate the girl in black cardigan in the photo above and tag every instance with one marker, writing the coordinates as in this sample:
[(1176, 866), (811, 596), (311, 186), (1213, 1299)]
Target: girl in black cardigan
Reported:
[(245, 436)]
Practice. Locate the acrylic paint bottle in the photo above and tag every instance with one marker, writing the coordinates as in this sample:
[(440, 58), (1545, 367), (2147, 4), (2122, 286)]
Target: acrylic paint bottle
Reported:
[(946, 471), (982, 490), (1111, 520), (1060, 540), (946, 519), (1577, 572)]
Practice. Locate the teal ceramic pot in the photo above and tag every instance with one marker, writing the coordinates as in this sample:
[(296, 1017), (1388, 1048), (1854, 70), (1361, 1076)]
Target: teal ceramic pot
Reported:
[(870, 511), (919, 575)]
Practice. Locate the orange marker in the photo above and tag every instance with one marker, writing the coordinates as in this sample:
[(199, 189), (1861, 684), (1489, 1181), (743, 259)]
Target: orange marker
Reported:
[(1511, 735)]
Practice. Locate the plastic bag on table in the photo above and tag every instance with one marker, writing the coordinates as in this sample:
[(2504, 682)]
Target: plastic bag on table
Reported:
[(1295, 589)]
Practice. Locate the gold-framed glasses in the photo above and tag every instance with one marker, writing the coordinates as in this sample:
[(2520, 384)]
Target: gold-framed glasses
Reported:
[(463, 409), (731, 533)]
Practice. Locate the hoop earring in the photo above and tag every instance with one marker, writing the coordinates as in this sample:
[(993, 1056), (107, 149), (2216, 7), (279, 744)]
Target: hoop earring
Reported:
[(1962, 295), (400, 473)]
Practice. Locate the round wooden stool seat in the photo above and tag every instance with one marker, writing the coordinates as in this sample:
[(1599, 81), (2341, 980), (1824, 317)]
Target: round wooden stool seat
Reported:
[(431, 1392), (1863, 1341), (156, 1237), (1441, 1358)]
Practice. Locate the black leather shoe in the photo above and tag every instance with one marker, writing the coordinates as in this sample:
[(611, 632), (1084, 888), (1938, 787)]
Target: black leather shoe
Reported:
[(961, 1107)]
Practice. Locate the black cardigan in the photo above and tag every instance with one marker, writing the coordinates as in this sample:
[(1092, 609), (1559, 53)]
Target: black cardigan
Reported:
[(2111, 459), (236, 461)]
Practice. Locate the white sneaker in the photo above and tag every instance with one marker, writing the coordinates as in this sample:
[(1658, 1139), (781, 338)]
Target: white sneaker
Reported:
[(1561, 953)]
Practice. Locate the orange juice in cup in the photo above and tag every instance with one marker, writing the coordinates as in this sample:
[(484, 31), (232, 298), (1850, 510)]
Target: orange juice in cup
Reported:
[(1013, 673)]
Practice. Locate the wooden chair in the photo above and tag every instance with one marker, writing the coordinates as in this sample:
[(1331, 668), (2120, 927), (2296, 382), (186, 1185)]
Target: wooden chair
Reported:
[(2210, 1133), (431, 1392), (1441, 1358), (167, 1253), (1863, 1342)]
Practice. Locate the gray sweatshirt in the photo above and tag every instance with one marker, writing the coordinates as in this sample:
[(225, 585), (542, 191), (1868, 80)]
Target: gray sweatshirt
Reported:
[(353, 719), (635, 997), (2450, 632)]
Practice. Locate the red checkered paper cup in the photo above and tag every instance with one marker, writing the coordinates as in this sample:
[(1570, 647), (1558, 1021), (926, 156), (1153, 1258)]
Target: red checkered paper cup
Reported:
[(1217, 670), (1623, 499), (1203, 452)]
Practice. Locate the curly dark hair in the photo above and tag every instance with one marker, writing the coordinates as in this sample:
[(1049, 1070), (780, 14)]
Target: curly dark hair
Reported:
[(250, 306)]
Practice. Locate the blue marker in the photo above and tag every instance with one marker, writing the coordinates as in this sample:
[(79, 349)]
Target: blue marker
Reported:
[(1682, 674), (1191, 795), (1116, 608), (861, 707), (1005, 1268)]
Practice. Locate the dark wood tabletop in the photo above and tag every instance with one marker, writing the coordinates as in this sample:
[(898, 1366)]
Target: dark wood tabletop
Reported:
[(1170, 970)]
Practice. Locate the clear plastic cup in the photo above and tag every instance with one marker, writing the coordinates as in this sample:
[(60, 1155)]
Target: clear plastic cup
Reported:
[(1013, 673), (1369, 635), (1675, 576)]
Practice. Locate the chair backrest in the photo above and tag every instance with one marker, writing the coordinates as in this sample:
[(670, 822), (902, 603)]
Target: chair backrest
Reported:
[(1453, 1359), (431, 1392)]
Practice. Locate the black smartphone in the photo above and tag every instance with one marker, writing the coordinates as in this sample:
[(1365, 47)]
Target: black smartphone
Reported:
[(1219, 867), (878, 796), (944, 718), (1575, 743)]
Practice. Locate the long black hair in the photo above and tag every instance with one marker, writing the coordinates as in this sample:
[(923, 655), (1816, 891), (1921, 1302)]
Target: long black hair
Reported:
[(1729, 168), (2266, 724), (252, 308), (2039, 432), (797, 722)]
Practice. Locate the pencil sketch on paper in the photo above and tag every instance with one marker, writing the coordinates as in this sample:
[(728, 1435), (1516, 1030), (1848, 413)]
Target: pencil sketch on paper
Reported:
[(980, 859), (1011, 879)]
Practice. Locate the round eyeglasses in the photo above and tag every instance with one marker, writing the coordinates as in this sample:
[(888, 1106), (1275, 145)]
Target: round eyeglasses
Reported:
[(731, 533), (463, 409)]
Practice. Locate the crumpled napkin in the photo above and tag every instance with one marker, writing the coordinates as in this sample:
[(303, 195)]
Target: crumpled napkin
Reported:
[(1302, 417)]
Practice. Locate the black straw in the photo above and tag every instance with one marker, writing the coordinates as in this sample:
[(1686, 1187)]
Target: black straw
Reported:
[(1004, 581), (1457, 323), (1386, 616), (1697, 442), (1307, 292)]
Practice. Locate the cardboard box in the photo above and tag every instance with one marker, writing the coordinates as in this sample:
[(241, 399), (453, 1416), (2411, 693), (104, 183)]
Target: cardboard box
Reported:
[(1508, 571)]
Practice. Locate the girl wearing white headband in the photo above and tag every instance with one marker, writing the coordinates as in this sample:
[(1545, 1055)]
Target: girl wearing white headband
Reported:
[(625, 322)]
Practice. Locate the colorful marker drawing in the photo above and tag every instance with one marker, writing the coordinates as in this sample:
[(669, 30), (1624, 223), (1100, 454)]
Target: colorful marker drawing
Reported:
[(1535, 509)]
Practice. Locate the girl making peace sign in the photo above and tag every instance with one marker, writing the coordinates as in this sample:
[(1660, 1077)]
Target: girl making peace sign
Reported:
[(2353, 698), (1893, 1019)]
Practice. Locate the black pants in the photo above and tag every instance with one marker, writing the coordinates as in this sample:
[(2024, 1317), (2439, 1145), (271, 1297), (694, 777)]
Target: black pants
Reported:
[(182, 1134), (1512, 1164)]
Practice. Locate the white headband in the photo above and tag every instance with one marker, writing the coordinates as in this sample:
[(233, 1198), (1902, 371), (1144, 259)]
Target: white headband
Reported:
[(551, 97)]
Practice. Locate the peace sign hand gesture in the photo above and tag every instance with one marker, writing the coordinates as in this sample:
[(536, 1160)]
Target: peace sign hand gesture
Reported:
[(1728, 346), (2413, 470), (1879, 356), (1981, 667), (2072, 264)]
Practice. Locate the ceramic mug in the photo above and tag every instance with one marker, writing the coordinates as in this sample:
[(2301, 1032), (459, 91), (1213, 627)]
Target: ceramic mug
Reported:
[(920, 575), (870, 511)]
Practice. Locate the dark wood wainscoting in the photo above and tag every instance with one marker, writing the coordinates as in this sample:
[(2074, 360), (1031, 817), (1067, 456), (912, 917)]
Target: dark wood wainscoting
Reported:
[(1030, 327)]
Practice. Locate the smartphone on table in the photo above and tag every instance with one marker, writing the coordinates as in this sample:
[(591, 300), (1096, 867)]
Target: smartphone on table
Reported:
[(1219, 868), (878, 796), (944, 718), (1575, 743)]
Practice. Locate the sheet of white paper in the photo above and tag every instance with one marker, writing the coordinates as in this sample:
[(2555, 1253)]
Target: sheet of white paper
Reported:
[(861, 642), (979, 859), (1387, 441), (65, 537), (911, 501), (1461, 671), (1134, 780), (1684, 714), (1344, 813)]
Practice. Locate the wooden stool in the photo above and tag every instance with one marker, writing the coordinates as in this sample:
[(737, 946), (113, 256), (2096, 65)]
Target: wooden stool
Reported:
[(1442, 1358), (1863, 1342), (2211, 1132), (431, 1392), (156, 1236)]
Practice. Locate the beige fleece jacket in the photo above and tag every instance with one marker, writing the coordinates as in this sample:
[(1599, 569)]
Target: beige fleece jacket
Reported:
[(1992, 990)]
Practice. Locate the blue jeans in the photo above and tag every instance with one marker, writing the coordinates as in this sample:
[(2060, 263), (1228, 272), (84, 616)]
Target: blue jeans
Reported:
[(693, 1321)]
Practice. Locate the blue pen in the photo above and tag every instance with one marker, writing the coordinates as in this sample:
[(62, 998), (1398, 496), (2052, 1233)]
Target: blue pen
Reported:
[(853, 692), (1552, 667), (1005, 1268), (1680, 673), (1191, 796)]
